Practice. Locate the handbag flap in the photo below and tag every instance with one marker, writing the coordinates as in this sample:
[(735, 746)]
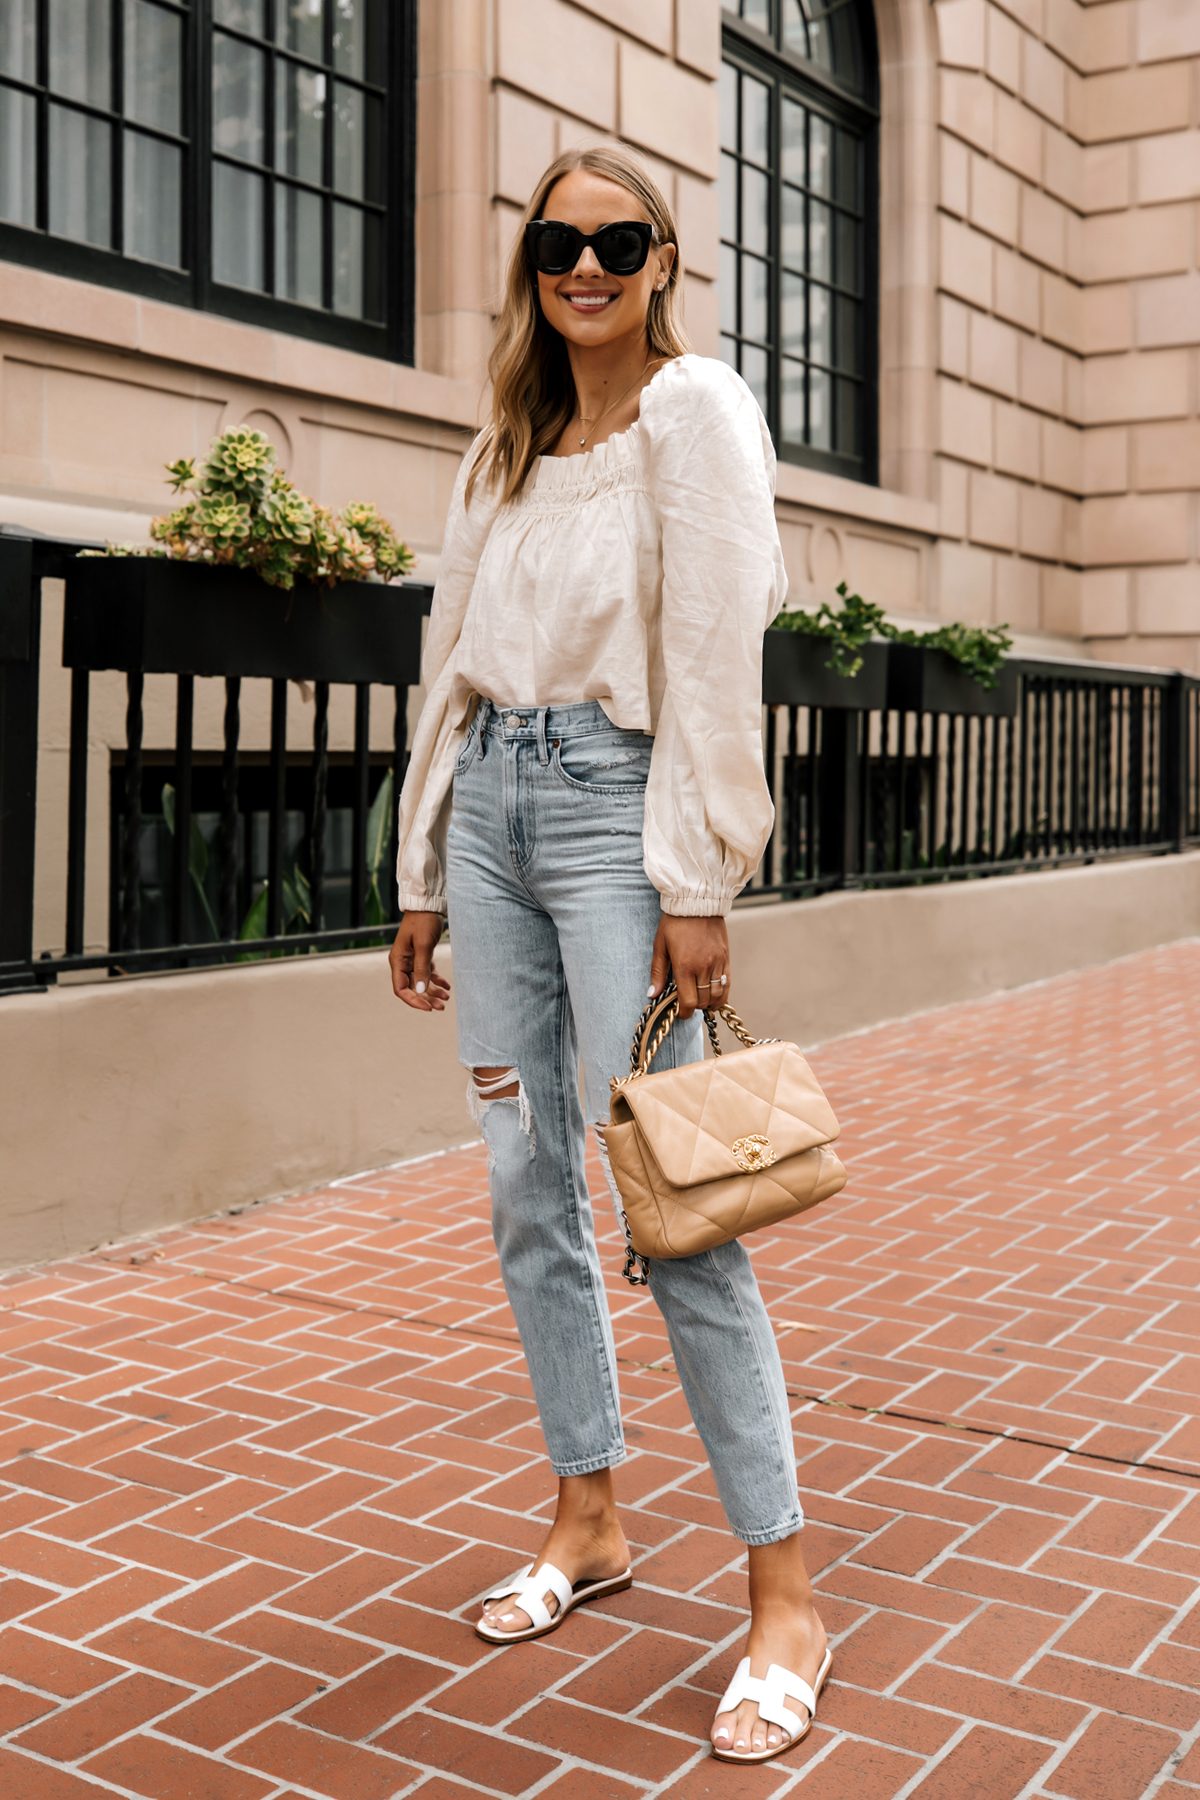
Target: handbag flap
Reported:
[(692, 1118)]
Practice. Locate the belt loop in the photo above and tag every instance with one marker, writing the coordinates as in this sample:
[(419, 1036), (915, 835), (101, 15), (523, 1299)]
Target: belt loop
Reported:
[(485, 713), (543, 751)]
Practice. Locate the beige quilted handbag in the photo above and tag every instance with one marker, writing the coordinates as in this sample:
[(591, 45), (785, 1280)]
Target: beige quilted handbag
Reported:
[(708, 1152)]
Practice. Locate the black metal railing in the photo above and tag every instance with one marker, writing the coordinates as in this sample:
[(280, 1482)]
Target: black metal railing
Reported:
[(910, 774), (1095, 761)]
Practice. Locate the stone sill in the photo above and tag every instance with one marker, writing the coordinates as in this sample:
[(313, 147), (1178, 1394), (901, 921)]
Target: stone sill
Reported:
[(60, 306), (854, 499)]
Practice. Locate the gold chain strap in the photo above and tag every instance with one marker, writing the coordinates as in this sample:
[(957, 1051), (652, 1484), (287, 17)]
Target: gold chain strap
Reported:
[(665, 1009)]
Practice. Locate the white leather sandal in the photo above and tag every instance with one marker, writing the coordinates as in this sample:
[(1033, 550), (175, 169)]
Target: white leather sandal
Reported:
[(527, 1594), (779, 1684)]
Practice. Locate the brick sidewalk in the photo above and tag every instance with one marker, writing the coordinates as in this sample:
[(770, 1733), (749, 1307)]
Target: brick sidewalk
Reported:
[(257, 1472)]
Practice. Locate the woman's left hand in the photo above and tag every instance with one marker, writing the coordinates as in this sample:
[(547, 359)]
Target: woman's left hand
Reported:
[(696, 952)]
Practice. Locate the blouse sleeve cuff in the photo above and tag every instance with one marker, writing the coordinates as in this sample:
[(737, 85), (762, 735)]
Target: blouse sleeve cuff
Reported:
[(411, 901), (699, 903)]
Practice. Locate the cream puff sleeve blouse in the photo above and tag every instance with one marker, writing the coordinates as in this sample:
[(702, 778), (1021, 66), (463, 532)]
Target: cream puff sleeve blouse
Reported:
[(641, 575)]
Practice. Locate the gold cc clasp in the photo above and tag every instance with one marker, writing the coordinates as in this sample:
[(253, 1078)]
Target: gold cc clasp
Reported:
[(753, 1153)]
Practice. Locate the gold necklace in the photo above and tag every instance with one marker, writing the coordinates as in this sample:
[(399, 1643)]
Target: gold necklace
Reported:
[(587, 434)]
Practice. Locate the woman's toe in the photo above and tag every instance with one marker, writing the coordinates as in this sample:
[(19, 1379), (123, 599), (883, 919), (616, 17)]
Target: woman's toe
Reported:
[(722, 1731)]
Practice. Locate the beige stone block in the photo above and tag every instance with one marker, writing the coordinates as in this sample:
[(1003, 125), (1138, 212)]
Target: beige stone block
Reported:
[(1076, 105), (1137, 102), (1044, 80), (993, 354), (117, 434), (74, 308), (1135, 528), (962, 33), (699, 227), (1106, 177), (1018, 136), (1042, 375), (1168, 167), (1073, 252), (1018, 593), (883, 567), (452, 134), (1167, 456), (966, 262), (1003, 50), (1062, 31), (669, 110), (526, 142), (560, 55), (452, 260), (1062, 456), (698, 35), (1167, 311), (1149, 385), (1167, 29), (23, 412), (1073, 398), (1105, 38), (955, 166), (453, 38), (650, 20), (1106, 460), (1104, 603), (995, 199), (1062, 170), (1041, 530), (954, 325), (1017, 441), (1016, 288), (965, 577), (1106, 319), (1152, 240), (966, 422), (1029, 13), (1168, 601), (993, 510), (701, 315), (204, 340), (1062, 594), (952, 486), (966, 106), (1062, 311), (1043, 228)]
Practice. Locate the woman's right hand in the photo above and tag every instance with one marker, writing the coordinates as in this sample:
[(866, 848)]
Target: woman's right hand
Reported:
[(414, 978)]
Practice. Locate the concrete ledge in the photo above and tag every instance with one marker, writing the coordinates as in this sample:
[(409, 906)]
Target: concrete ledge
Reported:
[(129, 1105)]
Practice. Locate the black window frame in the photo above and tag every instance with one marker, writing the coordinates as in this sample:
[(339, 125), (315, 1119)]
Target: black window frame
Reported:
[(193, 286), (764, 57)]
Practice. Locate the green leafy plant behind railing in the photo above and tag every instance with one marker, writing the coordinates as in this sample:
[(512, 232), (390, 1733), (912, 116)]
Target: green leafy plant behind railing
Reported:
[(979, 649), (245, 512)]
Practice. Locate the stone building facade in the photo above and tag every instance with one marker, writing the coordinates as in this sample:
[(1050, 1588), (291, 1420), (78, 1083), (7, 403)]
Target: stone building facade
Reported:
[(1035, 389)]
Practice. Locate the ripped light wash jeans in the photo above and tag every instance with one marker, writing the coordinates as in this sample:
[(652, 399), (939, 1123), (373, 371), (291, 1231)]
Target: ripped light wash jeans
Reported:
[(552, 919)]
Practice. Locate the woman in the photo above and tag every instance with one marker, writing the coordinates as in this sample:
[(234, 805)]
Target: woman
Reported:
[(586, 797)]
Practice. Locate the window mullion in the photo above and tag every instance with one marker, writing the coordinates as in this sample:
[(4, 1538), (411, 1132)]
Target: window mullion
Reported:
[(775, 252), (271, 140), (117, 129), (42, 118)]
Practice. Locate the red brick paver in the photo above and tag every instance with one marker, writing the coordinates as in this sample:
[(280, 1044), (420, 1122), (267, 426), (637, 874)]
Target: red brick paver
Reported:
[(255, 1473)]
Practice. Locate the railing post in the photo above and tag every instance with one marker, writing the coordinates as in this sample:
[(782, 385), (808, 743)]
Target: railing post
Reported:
[(839, 794), (20, 641), (1173, 799)]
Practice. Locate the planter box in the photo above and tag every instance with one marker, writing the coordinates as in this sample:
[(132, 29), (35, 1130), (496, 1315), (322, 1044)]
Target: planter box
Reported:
[(794, 674), (175, 618), (921, 680)]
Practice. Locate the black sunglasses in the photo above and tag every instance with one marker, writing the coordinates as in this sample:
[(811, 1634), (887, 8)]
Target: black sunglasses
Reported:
[(621, 249)]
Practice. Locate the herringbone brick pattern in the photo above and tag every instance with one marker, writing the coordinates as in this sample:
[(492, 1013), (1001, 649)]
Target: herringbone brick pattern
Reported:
[(257, 1472)]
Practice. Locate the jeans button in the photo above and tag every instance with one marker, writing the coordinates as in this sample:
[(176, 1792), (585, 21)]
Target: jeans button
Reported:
[(512, 721)]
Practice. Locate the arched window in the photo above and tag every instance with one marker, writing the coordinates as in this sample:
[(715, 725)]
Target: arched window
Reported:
[(799, 187)]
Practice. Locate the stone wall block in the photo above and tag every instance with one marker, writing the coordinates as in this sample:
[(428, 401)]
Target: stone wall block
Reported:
[(966, 263), (700, 315), (558, 54), (668, 110), (966, 422), (650, 20), (1043, 80), (1017, 136), (1062, 29), (1062, 456), (1168, 601), (1167, 29), (1017, 441), (1151, 240), (1167, 456), (967, 107), (962, 33), (1106, 318), (1167, 311), (1105, 37), (1062, 601), (699, 227), (993, 355), (698, 35), (1043, 228), (1105, 609), (995, 199), (993, 509), (1106, 460), (1168, 167), (1107, 186), (1152, 385), (1062, 311), (954, 187), (1003, 50), (952, 480), (1041, 528), (1016, 284), (526, 141), (1130, 103), (1018, 593), (1062, 170), (1135, 528), (965, 576), (953, 334), (1042, 375)]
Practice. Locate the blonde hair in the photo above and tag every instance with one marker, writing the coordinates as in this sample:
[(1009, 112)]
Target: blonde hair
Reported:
[(533, 390)]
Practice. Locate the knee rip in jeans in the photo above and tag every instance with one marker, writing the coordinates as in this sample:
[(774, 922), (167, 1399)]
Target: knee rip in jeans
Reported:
[(492, 1087)]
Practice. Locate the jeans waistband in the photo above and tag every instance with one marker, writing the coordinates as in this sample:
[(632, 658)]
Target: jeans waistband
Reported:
[(537, 723)]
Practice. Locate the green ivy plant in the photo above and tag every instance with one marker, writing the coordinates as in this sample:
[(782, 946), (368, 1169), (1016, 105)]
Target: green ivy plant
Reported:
[(245, 512), (979, 649)]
